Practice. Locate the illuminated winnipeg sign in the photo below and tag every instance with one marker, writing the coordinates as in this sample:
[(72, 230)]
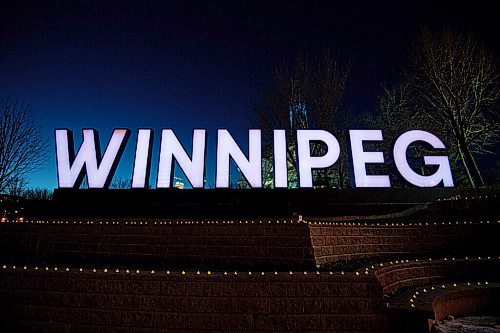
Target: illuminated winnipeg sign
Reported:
[(99, 170)]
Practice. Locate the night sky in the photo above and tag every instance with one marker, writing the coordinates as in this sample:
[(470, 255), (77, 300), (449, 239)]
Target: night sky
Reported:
[(199, 64)]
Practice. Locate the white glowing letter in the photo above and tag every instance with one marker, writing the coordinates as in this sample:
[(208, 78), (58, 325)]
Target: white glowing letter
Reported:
[(360, 158), (70, 169), (307, 162), (171, 149), (251, 168), (443, 172), (142, 161), (280, 165)]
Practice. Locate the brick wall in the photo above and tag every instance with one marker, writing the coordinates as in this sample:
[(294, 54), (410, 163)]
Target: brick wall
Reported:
[(484, 301), (250, 244), (86, 301), (393, 277), (332, 242), (179, 244)]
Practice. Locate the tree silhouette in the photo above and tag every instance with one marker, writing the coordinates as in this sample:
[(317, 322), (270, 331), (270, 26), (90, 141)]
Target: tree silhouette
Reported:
[(452, 89), (120, 183), (396, 115), (306, 95), (456, 87), (22, 148), (38, 194), (17, 187)]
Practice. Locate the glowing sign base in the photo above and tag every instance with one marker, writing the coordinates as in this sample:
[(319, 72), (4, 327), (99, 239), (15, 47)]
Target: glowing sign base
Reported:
[(233, 203)]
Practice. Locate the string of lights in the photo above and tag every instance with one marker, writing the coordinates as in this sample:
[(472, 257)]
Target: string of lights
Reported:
[(260, 222), (361, 271)]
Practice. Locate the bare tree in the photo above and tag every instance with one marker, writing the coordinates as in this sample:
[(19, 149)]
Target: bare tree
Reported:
[(308, 95), (120, 183), (38, 194), (22, 148), (397, 113), (17, 187), (456, 87)]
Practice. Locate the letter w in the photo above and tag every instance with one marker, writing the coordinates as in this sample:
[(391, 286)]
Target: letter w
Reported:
[(71, 169)]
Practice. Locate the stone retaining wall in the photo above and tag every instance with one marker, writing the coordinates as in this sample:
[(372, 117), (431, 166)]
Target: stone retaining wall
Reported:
[(61, 301), (483, 301), (259, 244), (427, 272), (182, 244), (343, 241)]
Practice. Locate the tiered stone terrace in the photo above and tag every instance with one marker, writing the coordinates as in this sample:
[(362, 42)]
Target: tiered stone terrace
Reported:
[(232, 275), (271, 244)]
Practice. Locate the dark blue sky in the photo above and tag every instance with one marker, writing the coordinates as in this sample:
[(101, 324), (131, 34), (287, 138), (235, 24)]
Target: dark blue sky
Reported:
[(198, 64)]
